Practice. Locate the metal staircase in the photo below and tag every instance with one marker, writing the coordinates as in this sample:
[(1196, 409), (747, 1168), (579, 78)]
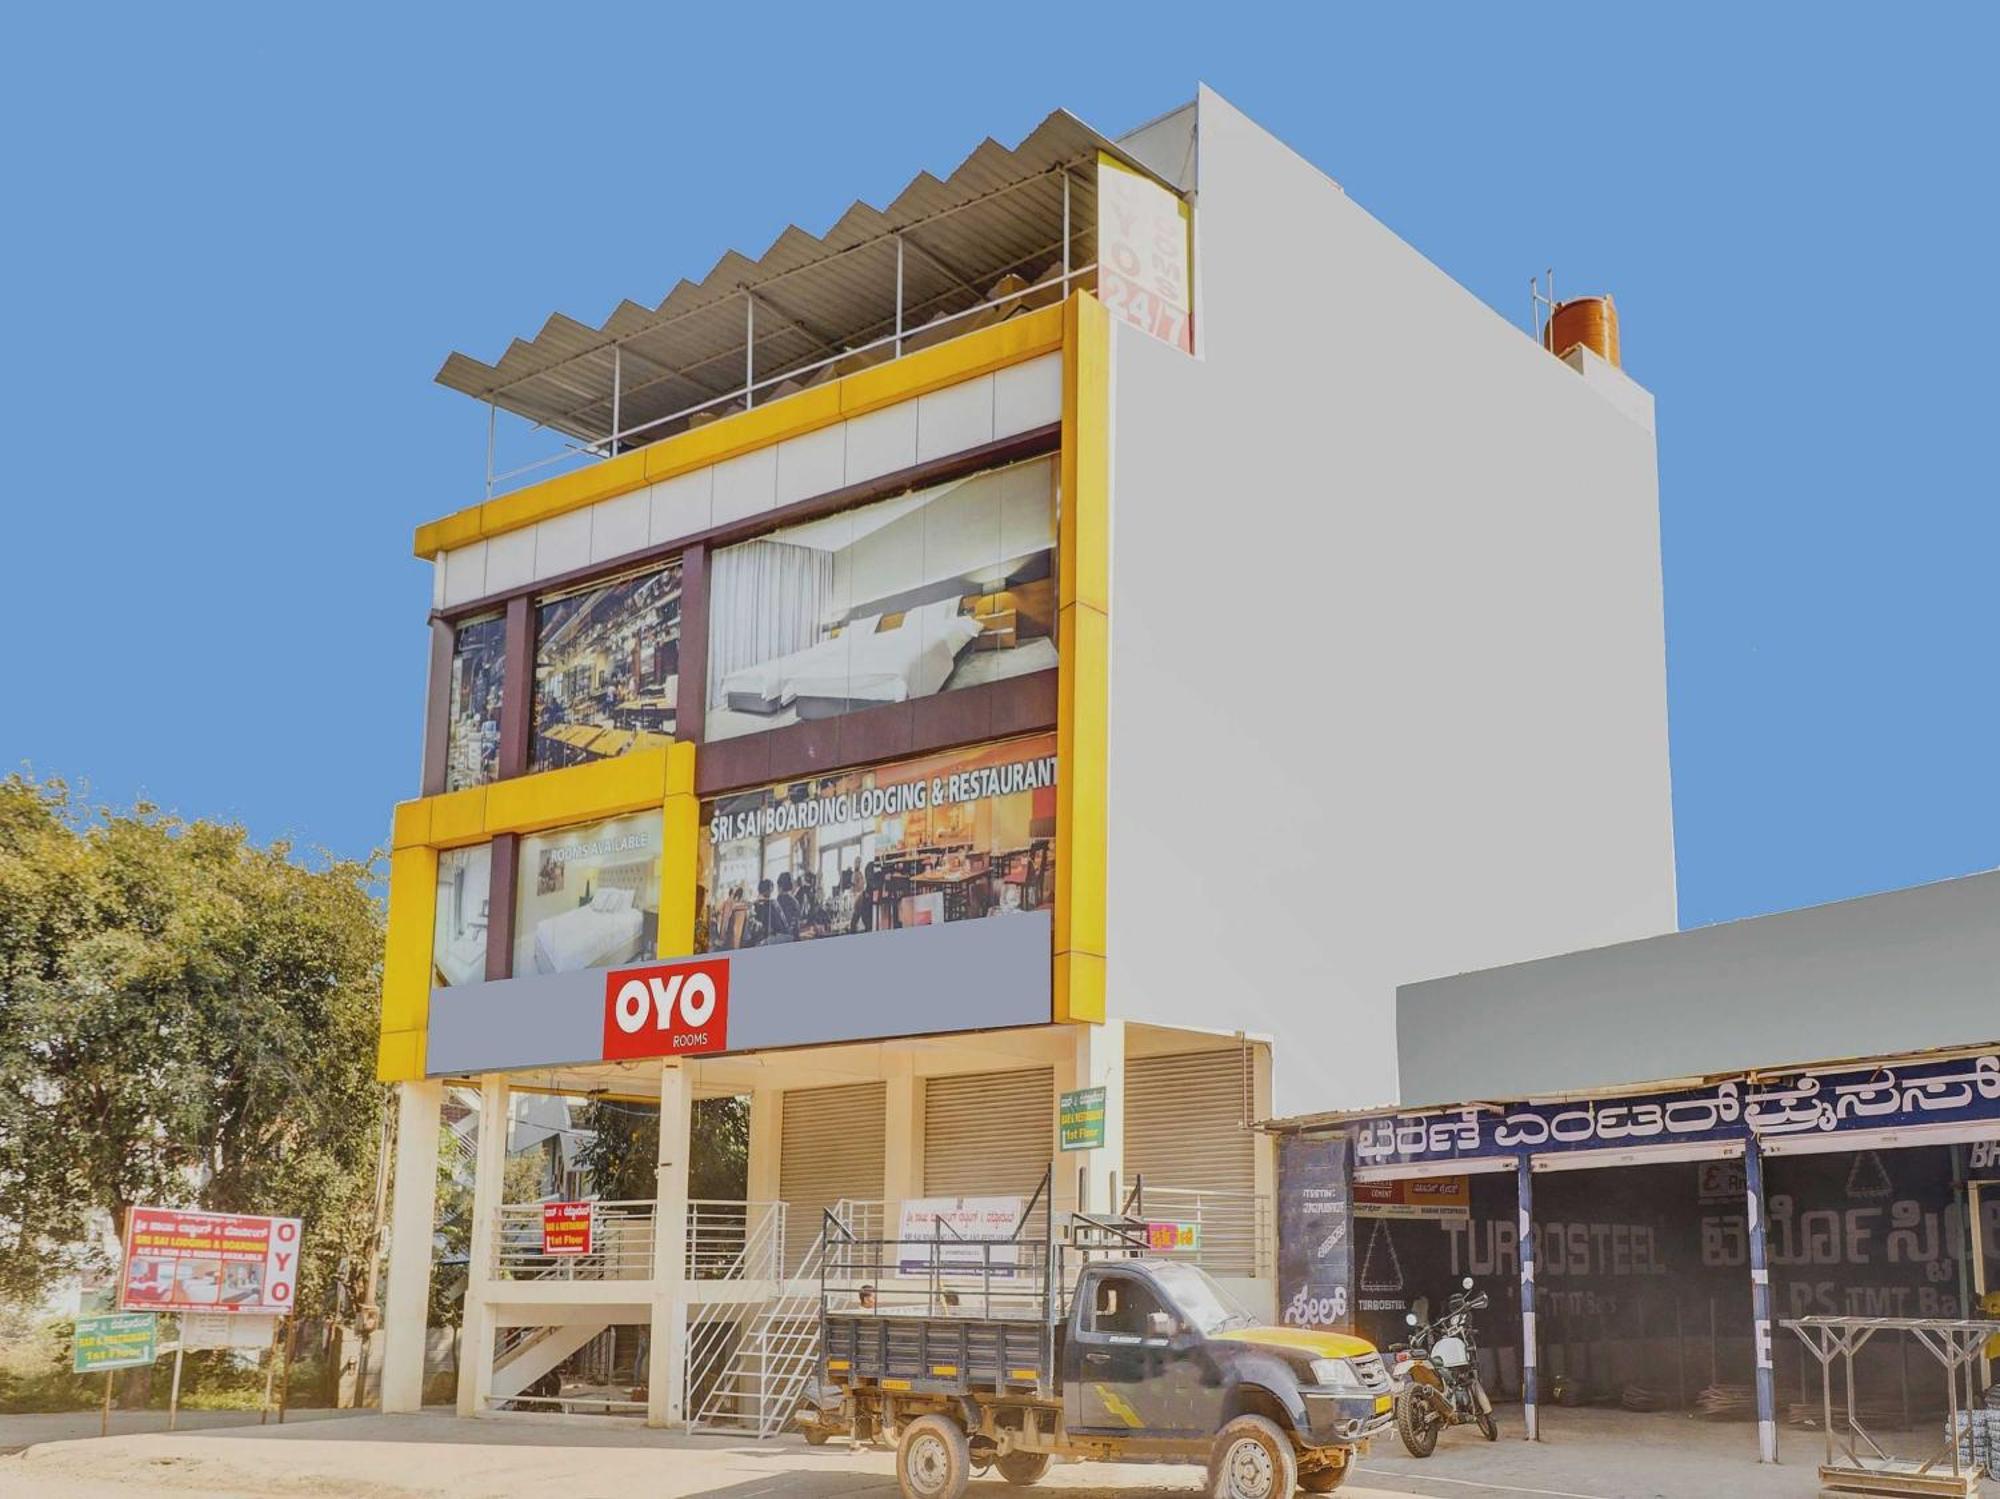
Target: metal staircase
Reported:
[(762, 1363)]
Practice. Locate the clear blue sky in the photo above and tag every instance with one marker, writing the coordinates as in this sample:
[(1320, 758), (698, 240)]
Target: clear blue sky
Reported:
[(237, 249)]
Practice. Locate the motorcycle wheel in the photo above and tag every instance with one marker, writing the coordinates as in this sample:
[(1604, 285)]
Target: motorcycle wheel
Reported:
[(1415, 1425), (1488, 1427)]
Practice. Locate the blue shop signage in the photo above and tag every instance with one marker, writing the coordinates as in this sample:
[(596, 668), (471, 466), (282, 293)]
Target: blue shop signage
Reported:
[(1964, 1090)]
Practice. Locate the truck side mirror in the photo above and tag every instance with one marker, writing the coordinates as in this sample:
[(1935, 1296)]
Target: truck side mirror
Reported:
[(1159, 1325)]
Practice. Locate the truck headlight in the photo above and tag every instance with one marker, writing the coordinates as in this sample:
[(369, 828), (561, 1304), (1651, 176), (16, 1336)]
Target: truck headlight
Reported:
[(1338, 1375)]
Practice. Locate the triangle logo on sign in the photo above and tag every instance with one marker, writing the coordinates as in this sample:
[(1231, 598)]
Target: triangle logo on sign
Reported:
[(1390, 1276)]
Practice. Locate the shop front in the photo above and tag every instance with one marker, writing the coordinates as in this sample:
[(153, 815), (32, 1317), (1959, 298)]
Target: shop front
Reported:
[(1647, 1248)]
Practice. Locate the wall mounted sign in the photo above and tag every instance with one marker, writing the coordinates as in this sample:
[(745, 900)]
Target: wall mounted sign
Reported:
[(1167, 1238), (1960, 1091), (1143, 275), (667, 1010), (1315, 1233), (1080, 1119)]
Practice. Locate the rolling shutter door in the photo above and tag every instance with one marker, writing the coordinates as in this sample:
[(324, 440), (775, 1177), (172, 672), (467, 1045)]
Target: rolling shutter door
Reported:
[(989, 1134), (830, 1147), (1184, 1135)]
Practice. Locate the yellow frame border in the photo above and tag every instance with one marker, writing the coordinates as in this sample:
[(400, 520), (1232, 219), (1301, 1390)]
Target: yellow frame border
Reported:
[(423, 828)]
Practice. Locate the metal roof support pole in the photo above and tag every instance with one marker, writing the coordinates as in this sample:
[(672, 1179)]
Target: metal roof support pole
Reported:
[(749, 350), (1065, 259), (899, 296), (492, 415), (1760, 1304), (617, 380), (1531, 1419)]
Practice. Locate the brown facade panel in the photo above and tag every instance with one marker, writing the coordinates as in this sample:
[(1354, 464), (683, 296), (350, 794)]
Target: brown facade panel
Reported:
[(804, 749), (691, 689), (1024, 704), (500, 905), (437, 710), (960, 717), (517, 687), (876, 733), (733, 762)]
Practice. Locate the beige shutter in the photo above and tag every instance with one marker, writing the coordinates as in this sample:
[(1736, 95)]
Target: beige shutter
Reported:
[(830, 1148), (989, 1134), (1185, 1140)]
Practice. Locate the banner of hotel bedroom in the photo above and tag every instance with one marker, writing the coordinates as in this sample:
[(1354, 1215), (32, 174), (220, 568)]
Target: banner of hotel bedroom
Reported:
[(1143, 272), (957, 836)]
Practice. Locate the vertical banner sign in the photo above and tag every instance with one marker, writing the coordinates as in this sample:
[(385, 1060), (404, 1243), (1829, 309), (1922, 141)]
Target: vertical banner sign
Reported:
[(114, 1340), (1142, 254), (566, 1227), (1080, 1119), (224, 1262), (1315, 1233)]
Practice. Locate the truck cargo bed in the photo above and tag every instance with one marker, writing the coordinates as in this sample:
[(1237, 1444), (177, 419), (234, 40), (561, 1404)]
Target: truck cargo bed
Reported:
[(941, 1355)]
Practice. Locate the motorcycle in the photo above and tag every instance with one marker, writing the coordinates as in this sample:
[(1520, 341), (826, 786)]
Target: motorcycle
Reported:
[(1437, 1376)]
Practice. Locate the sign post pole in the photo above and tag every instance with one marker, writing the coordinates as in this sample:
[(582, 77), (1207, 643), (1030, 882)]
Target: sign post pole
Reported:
[(1760, 1303), (174, 1397), (104, 1419), (1531, 1420), (271, 1368), (291, 1348)]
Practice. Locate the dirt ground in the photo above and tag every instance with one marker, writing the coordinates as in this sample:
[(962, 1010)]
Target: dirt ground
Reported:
[(1587, 1455)]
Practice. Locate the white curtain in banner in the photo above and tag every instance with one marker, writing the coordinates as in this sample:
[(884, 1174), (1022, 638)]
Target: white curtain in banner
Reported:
[(765, 599)]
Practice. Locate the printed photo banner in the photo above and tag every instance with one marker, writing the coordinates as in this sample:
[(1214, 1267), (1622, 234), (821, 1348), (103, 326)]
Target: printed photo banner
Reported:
[(1964, 1090), (194, 1261)]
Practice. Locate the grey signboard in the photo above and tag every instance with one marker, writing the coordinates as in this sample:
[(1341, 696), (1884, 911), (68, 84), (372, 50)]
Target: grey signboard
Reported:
[(919, 981), (1315, 1232)]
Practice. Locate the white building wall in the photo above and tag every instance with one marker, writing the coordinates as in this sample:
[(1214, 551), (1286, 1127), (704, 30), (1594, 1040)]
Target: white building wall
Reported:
[(1388, 692)]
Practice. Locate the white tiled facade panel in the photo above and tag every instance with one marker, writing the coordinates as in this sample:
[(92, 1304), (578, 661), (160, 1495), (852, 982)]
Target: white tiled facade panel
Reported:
[(1014, 400)]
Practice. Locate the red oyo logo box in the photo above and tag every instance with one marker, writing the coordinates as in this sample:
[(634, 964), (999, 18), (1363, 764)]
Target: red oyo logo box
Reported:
[(667, 1010)]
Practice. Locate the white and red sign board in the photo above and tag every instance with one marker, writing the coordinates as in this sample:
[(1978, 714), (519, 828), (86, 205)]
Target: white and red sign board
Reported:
[(566, 1227), (243, 1330), (667, 1010), (213, 1262), (1143, 274)]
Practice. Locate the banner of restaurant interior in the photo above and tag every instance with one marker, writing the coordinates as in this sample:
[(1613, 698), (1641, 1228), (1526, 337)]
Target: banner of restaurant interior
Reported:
[(951, 837)]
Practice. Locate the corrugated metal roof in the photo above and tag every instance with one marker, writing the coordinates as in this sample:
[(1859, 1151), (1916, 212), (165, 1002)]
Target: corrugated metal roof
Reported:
[(998, 213)]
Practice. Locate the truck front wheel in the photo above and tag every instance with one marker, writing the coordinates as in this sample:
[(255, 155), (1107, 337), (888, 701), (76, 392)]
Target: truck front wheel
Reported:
[(1023, 1468), (1252, 1459), (933, 1461)]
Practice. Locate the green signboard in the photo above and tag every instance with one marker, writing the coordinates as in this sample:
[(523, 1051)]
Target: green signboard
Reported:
[(114, 1340), (1080, 1119)]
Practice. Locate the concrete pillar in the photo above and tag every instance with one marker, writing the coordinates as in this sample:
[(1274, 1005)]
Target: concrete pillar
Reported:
[(412, 1217), (1096, 1059), (475, 1358), (1264, 1162), (902, 1132), (1760, 1305), (666, 1376), (1531, 1419)]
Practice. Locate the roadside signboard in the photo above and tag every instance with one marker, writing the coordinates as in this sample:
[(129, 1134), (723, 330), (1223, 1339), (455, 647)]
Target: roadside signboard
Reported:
[(1080, 1119), (251, 1330), (1165, 1238), (566, 1227), (220, 1262), (114, 1340)]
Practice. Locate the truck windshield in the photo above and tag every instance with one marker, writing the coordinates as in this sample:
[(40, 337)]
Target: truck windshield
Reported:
[(1204, 1303)]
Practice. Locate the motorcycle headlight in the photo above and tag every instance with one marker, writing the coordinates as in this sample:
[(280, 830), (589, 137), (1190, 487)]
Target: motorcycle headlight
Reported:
[(1338, 1375)]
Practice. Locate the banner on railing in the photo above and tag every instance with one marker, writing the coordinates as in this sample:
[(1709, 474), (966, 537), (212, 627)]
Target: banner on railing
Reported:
[(956, 1225), (567, 1227), (1167, 1238), (1143, 272)]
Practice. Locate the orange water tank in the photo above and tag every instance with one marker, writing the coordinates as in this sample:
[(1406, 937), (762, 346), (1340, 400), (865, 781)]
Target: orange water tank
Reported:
[(1590, 321)]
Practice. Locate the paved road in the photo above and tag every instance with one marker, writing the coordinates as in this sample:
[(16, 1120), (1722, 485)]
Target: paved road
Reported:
[(1592, 1455)]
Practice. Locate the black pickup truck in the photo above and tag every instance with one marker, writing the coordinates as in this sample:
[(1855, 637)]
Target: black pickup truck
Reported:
[(1130, 1359)]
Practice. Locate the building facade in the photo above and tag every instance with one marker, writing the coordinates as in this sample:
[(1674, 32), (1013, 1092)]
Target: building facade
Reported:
[(1007, 687)]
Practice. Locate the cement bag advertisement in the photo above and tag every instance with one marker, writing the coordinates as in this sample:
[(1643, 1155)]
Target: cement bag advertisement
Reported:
[(1315, 1233)]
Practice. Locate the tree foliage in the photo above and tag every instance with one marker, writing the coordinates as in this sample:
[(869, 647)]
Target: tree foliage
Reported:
[(186, 1020), (621, 1152)]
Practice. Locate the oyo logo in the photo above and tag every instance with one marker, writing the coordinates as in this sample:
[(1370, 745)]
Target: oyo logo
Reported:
[(667, 1010)]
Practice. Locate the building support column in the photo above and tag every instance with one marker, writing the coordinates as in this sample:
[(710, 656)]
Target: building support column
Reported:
[(412, 1219), (902, 1133), (1531, 1420), (1760, 1303), (666, 1375), (1094, 1181), (489, 1171)]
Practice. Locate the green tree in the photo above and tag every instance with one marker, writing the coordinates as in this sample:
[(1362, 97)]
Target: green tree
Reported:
[(186, 1019), (622, 1150)]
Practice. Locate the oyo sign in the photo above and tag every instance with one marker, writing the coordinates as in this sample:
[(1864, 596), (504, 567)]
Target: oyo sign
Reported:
[(667, 1010)]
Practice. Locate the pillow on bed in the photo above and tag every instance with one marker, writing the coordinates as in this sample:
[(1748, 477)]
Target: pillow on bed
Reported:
[(611, 901)]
